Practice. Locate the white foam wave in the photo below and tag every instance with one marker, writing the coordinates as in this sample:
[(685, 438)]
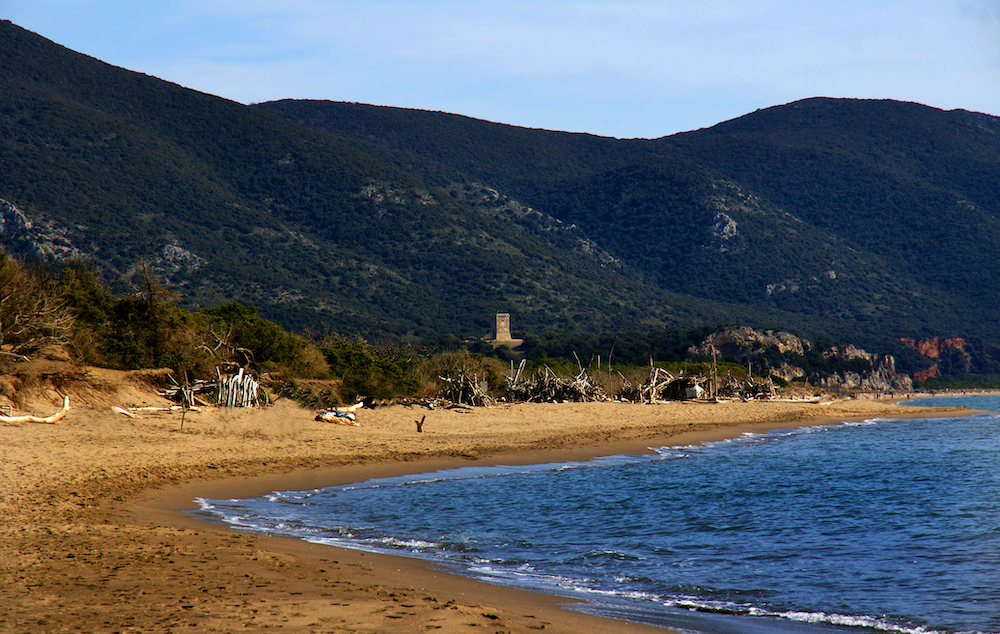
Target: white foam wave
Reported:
[(281, 496), (636, 595), (522, 574), (876, 623), (396, 543), (879, 623), (673, 453)]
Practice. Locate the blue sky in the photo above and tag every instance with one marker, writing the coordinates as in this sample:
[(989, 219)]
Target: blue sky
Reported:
[(626, 69)]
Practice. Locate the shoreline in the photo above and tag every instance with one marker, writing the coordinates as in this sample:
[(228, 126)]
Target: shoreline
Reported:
[(177, 500), (173, 506), (130, 555)]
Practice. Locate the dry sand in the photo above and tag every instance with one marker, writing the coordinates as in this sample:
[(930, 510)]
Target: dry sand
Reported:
[(92, 539)]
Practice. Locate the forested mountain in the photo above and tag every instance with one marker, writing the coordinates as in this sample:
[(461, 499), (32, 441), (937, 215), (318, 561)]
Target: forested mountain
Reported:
[(227, 202), (856, 220)]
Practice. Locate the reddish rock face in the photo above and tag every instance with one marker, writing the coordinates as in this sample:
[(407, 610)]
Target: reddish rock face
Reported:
[(935, 347), (930, 373)]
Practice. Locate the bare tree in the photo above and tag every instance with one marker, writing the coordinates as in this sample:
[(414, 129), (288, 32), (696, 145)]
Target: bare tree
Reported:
[(32, 315)]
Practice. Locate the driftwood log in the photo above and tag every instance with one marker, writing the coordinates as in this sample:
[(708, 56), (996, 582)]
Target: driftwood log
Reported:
[(54, 418)]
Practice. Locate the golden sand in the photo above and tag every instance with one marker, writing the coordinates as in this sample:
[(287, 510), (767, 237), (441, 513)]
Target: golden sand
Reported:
[(93, 541)]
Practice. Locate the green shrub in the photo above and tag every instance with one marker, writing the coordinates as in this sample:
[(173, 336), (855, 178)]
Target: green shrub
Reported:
[(240, 334), (371, 371)]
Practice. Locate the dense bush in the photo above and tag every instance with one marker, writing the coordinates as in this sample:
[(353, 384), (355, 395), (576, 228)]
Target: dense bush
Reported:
[(238, 332), (141, 330), (371, 371)]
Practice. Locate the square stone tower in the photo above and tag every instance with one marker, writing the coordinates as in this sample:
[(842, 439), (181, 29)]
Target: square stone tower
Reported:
[(501, 327)]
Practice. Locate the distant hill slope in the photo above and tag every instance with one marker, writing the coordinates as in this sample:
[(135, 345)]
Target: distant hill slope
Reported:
[(857, 220), (863, 220), (914, 184), (230, 202)]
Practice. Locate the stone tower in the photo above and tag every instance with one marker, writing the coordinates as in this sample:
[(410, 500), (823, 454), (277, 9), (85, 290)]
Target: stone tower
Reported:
[(501, 327)]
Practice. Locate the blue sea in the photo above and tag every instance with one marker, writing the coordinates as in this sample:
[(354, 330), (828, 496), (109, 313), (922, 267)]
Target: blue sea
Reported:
[(886, 525)]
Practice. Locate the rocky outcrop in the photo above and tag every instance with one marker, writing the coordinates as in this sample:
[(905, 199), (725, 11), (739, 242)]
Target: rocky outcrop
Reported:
[(44, 241), (789, 357), (950, 356), (744, 342), (883, 377), (552, 229), (933, 372)]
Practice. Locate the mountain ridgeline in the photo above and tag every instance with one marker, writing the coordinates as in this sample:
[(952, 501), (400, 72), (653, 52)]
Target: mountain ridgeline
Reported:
[(863, 221)]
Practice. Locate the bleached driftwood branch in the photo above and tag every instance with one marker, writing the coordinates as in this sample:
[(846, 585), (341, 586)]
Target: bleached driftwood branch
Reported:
[(17, 420), (239, 390)]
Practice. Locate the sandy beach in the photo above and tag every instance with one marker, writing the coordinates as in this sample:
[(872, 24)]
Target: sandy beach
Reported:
[(94, 538)]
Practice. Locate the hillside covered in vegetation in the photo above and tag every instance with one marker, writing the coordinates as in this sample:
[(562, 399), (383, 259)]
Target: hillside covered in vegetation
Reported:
[(860, 220), (72, 316), (226, 202), (868, 222)]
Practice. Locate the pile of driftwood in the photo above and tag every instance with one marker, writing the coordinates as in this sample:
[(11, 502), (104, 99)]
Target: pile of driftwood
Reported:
[(466, 390), (656, 388), (541, 387), (237, 388), (190, 394), (545, 387), (662, 386), (747, 389)]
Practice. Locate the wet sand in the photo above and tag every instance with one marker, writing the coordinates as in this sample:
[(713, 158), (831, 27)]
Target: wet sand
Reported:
[(94, 538)]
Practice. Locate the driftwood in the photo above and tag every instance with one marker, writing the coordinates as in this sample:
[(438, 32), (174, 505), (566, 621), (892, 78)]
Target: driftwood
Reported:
[(442, 403), (433, 404), (747, 389), (661, 386), (654, 390), (465, 391), (235, 387), (236, 390), (134, 412), (229, 350), (189, 392), (545, 387), (54, 418)]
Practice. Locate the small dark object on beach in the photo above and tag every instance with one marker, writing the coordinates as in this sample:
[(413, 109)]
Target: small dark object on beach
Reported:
[(420, 424)]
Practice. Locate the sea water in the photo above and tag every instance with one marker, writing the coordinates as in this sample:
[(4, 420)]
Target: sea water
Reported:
[(887, 525)]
